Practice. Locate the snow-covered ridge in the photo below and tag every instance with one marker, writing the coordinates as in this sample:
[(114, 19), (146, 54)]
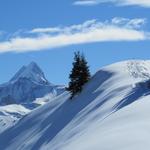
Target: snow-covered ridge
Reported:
[(32, 72), (110, 113), (27, 90), (139, 69), (27, 84), (10, 114)]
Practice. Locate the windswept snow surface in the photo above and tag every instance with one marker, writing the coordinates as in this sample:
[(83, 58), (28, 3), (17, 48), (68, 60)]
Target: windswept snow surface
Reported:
[(10, 114), (111, 113)]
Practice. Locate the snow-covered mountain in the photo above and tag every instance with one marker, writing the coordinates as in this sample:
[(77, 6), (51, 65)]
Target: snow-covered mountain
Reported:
[(111, 113), (27, 90), (27, 84)]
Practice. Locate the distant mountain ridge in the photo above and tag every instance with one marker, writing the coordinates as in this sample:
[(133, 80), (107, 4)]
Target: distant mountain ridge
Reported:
[(26, 85), (32, 72)]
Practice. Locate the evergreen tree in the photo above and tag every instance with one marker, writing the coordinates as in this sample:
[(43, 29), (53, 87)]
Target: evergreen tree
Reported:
[(80, 74)]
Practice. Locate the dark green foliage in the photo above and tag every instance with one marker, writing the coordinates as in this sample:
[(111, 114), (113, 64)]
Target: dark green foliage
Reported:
[(80, 74)]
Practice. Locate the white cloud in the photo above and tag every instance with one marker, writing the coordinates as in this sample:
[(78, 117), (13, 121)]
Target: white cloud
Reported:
[(65, 30), (45, 30), (143, 3), (86, 2), (118, 29), (129, 23)]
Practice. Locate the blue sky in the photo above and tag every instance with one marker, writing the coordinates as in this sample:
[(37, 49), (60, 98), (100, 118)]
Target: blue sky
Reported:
[(49, 31)]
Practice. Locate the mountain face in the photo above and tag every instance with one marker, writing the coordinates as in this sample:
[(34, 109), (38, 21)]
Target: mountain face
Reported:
[(111, 113), (27, 84), (31, 72)]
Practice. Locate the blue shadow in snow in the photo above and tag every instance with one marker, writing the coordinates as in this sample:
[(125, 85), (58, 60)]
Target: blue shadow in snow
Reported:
[(140, 90), (55, 121)]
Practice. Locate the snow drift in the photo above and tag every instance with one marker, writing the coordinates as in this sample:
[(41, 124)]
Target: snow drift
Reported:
[(110, 113)]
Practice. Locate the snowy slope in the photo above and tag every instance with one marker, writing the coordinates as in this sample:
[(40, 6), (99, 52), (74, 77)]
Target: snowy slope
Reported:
[(27, 90), (127, 129), (10, 114), (111, 113)]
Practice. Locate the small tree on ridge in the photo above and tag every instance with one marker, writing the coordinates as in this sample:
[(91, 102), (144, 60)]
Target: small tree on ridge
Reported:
[(79, 75)]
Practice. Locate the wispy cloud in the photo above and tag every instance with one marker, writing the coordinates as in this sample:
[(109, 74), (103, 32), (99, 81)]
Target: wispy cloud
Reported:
[(117, 29), (143, 3), (86, 2)]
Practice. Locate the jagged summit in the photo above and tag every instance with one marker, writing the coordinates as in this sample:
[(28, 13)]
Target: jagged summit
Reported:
[(28, 84), (32, 72)]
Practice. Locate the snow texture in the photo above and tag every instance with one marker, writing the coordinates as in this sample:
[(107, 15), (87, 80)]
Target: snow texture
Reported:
[(111, 113)]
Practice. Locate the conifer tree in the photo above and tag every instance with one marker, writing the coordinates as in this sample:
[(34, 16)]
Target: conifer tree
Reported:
[(79, 75)]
